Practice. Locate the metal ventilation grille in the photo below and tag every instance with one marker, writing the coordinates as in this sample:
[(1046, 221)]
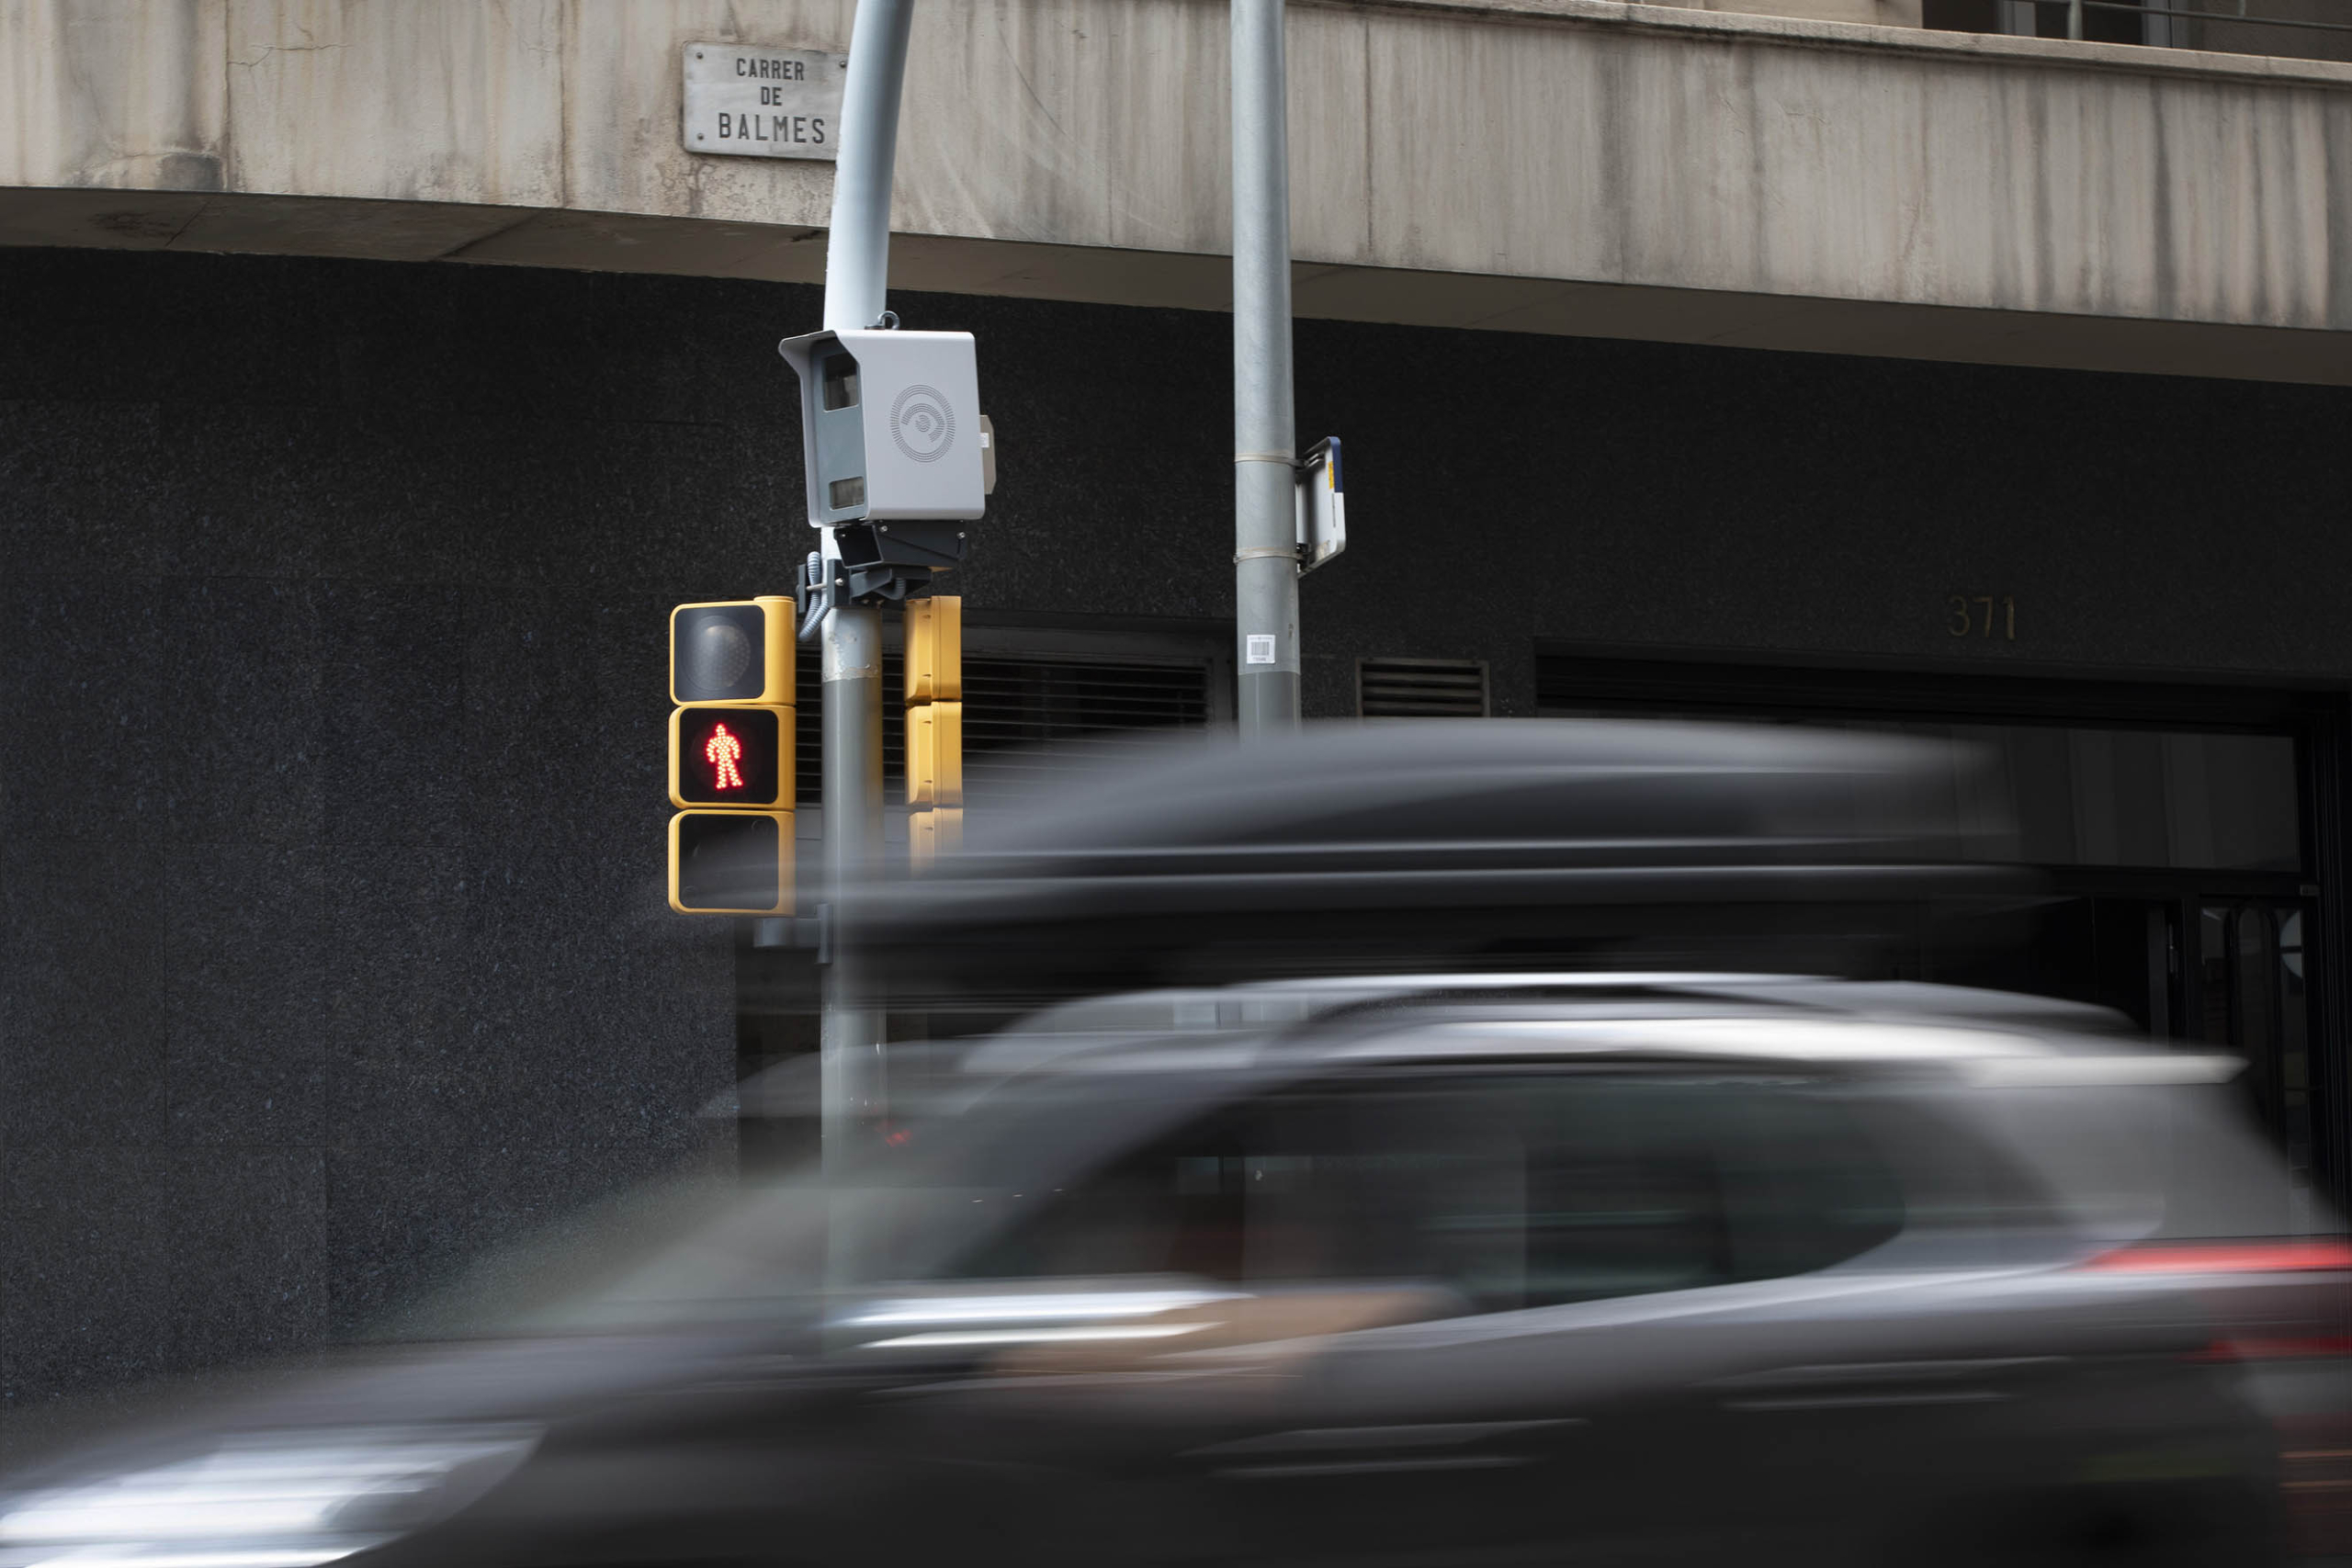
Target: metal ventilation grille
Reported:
[(1422, 688), (1025, 719)]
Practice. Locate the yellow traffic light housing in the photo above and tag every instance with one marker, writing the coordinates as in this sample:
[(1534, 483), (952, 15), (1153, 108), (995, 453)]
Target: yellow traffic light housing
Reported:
[(935, 754), (934, 657), (731, 747), (736, 756), (932, 833), (731, 862), (732, 651)]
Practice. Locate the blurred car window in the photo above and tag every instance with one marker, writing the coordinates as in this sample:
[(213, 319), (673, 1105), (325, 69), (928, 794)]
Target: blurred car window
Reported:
[(1510, 1188), (1976, 1204)]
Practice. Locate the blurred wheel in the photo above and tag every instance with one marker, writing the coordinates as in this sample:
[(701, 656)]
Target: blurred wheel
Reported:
[(2178, 1525)]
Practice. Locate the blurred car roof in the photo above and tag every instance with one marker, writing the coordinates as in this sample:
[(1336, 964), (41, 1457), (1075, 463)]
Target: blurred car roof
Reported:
[(1996, 1036), (1792, 1019)]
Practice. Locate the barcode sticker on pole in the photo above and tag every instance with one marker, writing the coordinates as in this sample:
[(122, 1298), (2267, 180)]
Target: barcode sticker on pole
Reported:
[(1260, 649)]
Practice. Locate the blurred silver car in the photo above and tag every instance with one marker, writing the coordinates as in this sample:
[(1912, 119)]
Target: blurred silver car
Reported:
[(1445, 1269)]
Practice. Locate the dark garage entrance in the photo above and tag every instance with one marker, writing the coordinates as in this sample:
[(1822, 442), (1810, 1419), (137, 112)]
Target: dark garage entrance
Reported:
[(2190, 838)]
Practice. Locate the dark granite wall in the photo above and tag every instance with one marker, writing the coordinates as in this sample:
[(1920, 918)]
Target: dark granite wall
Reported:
[(331, 937), (332, 941), (1505, 489)]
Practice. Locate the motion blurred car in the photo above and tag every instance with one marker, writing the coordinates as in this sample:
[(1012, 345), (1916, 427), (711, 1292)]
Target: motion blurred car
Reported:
[(1593, 1267)]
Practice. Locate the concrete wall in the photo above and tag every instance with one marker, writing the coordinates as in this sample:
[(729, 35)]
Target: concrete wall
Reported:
[(1564, 166), (333, 944)]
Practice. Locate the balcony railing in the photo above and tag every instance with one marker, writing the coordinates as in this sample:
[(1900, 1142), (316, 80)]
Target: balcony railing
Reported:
[(2318, 29), (2076, 10)]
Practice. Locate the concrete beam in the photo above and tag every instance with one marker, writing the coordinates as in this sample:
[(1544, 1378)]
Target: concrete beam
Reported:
[(1574, 166)]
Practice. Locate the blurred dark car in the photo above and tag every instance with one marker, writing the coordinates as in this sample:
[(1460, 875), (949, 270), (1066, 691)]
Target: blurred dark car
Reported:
[(1605, 1268), (1439, 846)]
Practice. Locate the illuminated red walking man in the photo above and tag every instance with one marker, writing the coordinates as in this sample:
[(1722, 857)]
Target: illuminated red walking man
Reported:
[(721, 752)]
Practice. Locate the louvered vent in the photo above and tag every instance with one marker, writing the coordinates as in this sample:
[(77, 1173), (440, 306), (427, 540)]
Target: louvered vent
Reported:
[(1028, 719), (1422, 688), (1025, 718)]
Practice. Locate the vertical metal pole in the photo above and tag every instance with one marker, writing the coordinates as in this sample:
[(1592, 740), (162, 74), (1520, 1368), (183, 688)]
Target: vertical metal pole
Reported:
[(857, 269), (2074, 18), (852, 1034), (1265, 434)]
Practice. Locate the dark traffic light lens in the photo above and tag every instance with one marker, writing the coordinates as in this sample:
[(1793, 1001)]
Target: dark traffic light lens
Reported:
[(722, 654), (726, 862), (716, 654), (729, 757)]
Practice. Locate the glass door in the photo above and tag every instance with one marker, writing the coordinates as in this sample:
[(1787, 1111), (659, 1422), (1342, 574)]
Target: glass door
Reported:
[(2248, 989)]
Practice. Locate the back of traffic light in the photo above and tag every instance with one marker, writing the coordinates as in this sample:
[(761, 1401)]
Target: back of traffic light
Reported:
[(934, 673), (731, 670)]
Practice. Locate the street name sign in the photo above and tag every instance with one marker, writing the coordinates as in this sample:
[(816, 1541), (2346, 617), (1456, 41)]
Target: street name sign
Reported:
[(750, 102)]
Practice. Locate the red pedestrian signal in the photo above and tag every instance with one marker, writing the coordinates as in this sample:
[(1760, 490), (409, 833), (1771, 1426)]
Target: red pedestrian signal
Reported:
[(738, 756), (720, 752)]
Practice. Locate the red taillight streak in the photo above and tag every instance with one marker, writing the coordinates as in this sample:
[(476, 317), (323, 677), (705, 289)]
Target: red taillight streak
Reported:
[(2226, 1258), (2286, 1349)]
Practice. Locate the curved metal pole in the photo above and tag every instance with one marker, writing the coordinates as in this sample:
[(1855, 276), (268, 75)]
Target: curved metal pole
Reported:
[(857, 246)]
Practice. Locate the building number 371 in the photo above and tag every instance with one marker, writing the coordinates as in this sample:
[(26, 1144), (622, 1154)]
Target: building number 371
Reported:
[(1978, 615)]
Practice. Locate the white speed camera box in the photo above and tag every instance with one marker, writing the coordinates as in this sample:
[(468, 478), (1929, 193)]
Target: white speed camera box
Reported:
[(889, 424)]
